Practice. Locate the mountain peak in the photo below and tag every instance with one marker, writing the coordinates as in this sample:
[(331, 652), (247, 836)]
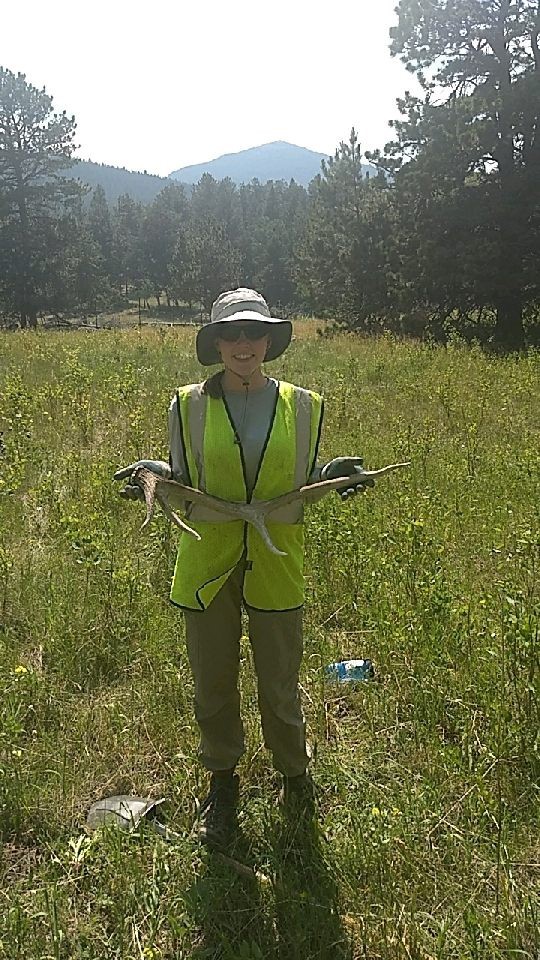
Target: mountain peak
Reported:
[(277, 160)]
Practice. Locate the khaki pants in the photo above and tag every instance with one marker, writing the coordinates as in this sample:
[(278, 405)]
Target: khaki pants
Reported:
[(213, 644)]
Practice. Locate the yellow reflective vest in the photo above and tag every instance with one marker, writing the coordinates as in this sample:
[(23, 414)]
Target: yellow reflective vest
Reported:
[(213, 455)]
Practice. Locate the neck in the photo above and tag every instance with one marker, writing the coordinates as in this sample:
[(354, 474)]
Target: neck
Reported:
[(233, 381)]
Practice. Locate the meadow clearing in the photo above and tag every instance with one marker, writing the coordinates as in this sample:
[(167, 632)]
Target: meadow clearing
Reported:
[(428, 839)]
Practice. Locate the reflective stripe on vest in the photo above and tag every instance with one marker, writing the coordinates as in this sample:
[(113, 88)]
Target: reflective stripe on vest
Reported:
[(212, 456)]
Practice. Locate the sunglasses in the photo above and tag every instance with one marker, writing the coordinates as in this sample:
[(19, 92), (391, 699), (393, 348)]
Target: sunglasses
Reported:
[(250, 330)]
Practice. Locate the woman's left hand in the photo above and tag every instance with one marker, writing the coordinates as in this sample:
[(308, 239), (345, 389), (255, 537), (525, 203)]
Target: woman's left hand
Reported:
[(345, 467)]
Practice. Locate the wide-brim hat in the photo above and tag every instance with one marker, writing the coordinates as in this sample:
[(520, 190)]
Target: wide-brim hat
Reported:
[(237, 306)]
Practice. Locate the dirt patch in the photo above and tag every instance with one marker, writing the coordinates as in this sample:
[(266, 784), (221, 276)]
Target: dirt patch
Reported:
[(18, 862)]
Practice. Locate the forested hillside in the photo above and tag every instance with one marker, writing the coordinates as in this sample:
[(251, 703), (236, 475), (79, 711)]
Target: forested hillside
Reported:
[(444, 240), (271, 161), (116, 181)]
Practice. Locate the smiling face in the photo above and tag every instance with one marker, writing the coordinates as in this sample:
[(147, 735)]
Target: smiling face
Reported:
[(243, 356)]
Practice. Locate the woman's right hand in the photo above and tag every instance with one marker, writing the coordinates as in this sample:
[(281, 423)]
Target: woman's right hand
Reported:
[(132, 491), (160, 467)]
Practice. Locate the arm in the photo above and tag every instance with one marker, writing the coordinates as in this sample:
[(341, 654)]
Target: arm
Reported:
[(177, 458), (315, 474)]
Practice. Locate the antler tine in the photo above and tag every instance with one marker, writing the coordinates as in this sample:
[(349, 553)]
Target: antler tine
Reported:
[(382, 470), (315, 491), (150, 485), (173, 517), (147, 481)]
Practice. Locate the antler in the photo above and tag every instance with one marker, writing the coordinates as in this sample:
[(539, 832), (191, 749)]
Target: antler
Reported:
[(156, 488)]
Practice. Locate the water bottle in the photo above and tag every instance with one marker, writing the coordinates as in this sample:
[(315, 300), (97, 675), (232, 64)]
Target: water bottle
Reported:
[(350, 671)]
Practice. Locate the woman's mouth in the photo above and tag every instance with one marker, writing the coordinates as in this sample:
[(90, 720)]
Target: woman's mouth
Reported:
[(243, 356)]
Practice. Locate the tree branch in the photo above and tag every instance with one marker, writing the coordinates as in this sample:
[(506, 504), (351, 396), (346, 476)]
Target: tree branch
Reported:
[(534, 39)]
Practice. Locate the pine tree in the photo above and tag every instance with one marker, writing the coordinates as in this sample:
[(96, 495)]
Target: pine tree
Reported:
[(36, 145), (273, 220), (341, 259), (99, 225), (211, 263), (217, 200), (127, 258), (164, 220), (479, 64)]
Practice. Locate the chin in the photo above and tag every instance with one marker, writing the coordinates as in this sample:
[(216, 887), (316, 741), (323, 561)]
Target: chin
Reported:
[(245, 369)]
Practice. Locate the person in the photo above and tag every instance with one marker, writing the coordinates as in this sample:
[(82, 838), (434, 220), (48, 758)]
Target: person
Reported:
[(239, 435)]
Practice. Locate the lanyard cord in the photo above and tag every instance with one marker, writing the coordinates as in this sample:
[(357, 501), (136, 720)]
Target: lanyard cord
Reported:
[(245, 383), (239, 430)]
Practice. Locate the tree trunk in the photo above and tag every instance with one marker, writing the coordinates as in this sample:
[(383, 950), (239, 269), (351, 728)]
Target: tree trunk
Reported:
[(509, 330), (25, 291)]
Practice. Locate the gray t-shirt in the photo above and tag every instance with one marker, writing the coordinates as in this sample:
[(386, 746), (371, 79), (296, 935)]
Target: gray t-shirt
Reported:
[(251, 413)]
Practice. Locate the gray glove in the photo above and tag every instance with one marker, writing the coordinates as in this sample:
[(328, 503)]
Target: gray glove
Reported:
[(345, 467), (131, 491)]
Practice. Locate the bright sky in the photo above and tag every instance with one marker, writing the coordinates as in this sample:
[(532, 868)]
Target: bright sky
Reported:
[(160, 84)]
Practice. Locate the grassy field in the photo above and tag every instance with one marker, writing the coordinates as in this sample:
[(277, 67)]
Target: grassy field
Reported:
[(427, 843)]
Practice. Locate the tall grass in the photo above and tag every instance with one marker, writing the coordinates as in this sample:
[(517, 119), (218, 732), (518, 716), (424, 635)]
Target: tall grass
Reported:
[(427, 837)]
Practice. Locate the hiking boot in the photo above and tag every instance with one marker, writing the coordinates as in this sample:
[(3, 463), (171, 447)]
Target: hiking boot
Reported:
[(297, 795), (217, 813)]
